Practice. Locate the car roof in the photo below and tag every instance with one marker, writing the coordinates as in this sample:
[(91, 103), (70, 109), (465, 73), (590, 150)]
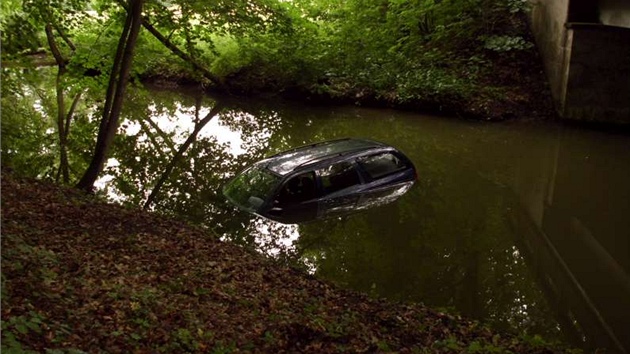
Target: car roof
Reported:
[(290, 160)]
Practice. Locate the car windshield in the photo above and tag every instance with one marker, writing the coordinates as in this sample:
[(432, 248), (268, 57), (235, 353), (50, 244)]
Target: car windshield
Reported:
[(251, 187)]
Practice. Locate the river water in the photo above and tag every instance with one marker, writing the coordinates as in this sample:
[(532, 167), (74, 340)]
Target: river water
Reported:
[(522, 225)]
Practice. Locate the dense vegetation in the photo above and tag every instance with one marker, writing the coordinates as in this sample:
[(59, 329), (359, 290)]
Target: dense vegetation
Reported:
[(470, 57)]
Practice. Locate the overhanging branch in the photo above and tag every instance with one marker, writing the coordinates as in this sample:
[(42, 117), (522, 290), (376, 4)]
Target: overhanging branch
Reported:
[(173, 48)]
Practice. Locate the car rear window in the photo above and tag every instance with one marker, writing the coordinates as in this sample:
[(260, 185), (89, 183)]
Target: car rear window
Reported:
[(381, 165)]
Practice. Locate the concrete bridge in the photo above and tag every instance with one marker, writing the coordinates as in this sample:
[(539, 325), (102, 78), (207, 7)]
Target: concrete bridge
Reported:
[(585, 47)]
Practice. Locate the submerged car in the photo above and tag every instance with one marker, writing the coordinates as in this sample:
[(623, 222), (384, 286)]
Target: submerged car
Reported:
[(322, 180)]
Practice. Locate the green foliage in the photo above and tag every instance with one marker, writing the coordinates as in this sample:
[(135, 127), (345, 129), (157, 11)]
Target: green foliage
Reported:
[(21, 259), (393, 51), (65, 351), (27, 136), (19, 34), (30, 142), (17, 326), (506, 43), (451, 344), (67, 13), (432, 84), (478, 347), (518, 6), (23, 23), (96, 46), (230, 59), (383, 346), (426, 52), (398, 52)]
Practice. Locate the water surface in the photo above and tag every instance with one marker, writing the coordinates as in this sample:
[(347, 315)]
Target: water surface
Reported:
[(525, 226)]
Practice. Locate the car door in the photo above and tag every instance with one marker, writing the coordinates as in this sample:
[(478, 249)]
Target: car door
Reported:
[(340, 185)]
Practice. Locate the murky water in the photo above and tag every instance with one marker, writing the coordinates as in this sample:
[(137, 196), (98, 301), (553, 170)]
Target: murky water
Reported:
[(522, 225)]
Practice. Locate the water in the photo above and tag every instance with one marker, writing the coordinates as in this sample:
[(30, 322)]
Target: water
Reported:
[(525, 226)]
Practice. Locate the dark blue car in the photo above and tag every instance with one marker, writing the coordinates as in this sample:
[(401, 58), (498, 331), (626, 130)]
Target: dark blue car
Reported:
[(322, 180)]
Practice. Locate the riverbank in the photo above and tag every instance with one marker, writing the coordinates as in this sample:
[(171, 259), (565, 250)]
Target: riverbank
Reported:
[(474, 81), (82, 274), (519, 91), (511, 86)]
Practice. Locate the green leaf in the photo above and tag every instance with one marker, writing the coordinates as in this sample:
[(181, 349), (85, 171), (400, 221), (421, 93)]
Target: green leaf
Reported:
[(21, 327)]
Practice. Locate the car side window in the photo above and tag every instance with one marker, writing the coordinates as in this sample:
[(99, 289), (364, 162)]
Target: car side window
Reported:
[(298, 189), (381, 165), (339, 176)]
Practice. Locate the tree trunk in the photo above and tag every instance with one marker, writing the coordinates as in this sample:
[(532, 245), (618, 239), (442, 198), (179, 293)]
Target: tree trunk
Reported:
[(173, 48), (115, 95), (63, 146), (180, 153), (61, 108)]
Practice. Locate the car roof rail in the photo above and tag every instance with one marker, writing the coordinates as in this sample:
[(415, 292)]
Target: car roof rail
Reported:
[(310, 145)]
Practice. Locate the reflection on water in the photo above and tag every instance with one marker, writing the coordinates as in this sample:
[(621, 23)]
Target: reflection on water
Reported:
[(523, 225), (574, 225)]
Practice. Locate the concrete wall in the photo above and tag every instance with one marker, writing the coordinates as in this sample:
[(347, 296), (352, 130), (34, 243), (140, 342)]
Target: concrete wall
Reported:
[(614, 13), (547, 22), (587, 65), (598, 82)]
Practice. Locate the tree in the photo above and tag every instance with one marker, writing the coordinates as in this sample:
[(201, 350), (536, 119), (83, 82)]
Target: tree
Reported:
[(118, 79), (63, 119)]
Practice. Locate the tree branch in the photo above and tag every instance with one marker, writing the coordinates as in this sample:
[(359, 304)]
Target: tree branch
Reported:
[(151, 136), (73, 107), (61, 61), (168, 44), (65, 37)]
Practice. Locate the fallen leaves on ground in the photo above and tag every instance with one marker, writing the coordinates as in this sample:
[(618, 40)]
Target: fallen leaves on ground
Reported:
[(81, 275)]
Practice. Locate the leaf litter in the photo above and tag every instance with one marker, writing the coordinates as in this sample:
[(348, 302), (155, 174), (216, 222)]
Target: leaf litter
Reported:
[(82, 275)]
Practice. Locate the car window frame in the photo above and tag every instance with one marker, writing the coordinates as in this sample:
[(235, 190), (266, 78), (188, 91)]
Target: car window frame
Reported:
[(369, 178)]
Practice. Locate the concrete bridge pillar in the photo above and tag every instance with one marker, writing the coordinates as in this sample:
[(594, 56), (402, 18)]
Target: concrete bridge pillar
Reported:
[(585, 46)]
